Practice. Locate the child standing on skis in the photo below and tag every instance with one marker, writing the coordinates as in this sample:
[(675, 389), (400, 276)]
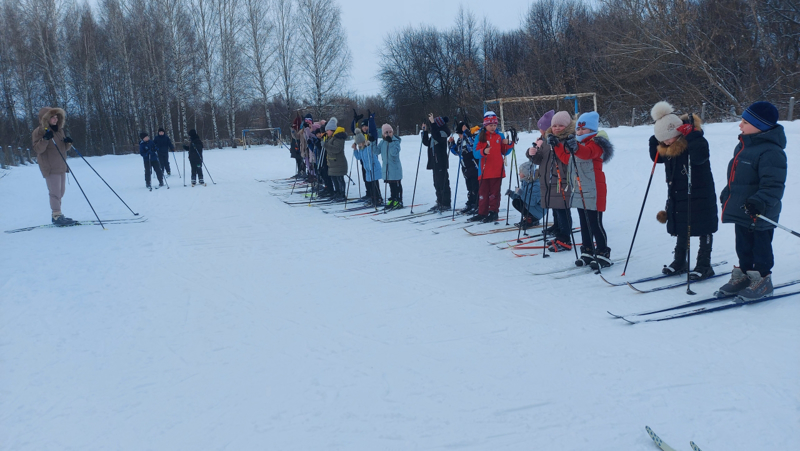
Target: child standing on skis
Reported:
[(756, 182), (195, 149), (469, 166), (389, 150), (149, 153), (676, 141), (525, 199), (585, 154), (553, 182), (372, 168), (489, 151), (337, 162)]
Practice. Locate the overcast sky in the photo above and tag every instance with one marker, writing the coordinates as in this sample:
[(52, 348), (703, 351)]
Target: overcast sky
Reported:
[(367, 23)]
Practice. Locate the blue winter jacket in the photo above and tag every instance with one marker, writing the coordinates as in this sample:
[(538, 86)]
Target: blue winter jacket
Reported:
[(148, 150), (390, 155), (163, 143), (756, 174), (372, 164)]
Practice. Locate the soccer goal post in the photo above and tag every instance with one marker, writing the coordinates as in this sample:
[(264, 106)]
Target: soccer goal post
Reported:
[(252, 136), (570, 98)]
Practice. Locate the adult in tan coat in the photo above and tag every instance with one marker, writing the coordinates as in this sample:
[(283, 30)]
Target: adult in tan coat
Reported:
[(51, 145)]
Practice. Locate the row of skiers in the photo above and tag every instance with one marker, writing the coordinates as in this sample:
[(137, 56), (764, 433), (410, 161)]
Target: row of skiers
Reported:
[(155, 154), (565, 170)]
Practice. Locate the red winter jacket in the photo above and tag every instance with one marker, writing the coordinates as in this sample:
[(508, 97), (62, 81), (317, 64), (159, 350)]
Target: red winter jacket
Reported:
[(491, 166)]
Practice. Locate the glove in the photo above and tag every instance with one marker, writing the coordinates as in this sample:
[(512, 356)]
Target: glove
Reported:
[(48, 135), (509, 193), (370, 113), (388, 139), (571, 144), (685, 129), (552, 140), (356, 117), (185, 147), (68, 140), (753, 208)]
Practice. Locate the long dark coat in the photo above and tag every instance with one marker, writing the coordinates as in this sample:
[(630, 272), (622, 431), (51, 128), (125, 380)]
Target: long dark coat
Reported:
[(675, 159)]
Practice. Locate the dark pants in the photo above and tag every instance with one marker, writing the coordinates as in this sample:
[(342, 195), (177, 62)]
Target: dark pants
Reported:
[(163, 160), (301, 165), (519, 205), (563, 219), (323, 173), (366, 183), (338, 184), (197, 169), (754, 249), (441, 181), (395, 190), (374, 190), (703, 251), (148, 164), (472, 190), (489, 196), (592, 230)]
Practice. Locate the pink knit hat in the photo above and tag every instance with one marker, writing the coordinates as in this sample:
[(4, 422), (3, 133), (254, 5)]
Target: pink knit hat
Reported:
[(561, 118), (386, 128)]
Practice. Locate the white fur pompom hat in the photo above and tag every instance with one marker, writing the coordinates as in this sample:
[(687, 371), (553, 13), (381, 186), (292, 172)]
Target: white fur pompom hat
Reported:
[(666, 123)]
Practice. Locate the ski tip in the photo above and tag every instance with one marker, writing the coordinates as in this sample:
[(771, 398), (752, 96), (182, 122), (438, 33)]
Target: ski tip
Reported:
[(694, 446), (627, 320)]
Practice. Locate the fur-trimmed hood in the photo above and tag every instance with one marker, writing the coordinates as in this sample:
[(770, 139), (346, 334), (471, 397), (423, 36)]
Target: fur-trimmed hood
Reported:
[(568, 130), (45, 113), (680, 144), (601, 138)]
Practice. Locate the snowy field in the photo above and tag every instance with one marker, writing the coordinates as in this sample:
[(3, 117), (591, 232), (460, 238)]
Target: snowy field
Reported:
[(232, 321)]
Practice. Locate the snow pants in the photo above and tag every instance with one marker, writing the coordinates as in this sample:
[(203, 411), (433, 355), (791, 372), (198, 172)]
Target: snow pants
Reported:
[(395, 190), (163, 160), (441, 182), (56, 187), (489, 196), (597, 234), (152, 164), (754, 249)]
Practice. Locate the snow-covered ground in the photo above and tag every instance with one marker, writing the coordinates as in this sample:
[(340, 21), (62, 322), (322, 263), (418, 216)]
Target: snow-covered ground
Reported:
[(230, 320)]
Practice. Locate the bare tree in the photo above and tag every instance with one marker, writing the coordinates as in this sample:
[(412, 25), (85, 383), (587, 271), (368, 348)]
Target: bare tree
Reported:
[(260, 50), (285, 50), (203, 13), (324, 54)]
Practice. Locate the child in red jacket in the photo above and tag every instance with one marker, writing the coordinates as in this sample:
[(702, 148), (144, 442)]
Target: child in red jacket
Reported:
[(585, 155), (490, 149)]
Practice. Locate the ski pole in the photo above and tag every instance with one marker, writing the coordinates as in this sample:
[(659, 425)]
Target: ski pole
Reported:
[(778, 225), (689, 226), (101, 178), (184, 168), (207, 171), (176, 163), (510, 178), (585, 213), (388, 155), (564, 197), (347, 191), (636, 230), (78, 183), (455, 197), (414, 194)]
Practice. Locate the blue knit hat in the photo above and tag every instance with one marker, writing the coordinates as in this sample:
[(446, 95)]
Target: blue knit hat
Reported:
[(589, 120), (761, 115)]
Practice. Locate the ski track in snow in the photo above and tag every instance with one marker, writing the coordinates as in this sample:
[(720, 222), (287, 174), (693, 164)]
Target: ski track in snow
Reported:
[(230, 320)]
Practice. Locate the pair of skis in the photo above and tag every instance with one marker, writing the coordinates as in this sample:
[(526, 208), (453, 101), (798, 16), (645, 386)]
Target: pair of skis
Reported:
[(728, 302), (661, 444), (80, 223)]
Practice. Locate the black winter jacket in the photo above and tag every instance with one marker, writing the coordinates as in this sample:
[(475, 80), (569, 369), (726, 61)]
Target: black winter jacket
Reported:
[(163, 143), (195, 149), (675, 159), (436, 140), (756, 174)]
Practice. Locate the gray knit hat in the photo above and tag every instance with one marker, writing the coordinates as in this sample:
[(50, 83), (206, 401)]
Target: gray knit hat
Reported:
[(360, 139), (332, 125), (666, 123)]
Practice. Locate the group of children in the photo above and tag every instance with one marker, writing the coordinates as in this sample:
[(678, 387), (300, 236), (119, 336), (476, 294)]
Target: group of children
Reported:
[(565, 171), (155, 154)]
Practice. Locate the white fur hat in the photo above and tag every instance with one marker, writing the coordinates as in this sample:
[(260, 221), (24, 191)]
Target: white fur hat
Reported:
[(667, 124)]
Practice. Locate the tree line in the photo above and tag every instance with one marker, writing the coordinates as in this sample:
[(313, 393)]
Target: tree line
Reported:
[(128, 66), (632, 53)]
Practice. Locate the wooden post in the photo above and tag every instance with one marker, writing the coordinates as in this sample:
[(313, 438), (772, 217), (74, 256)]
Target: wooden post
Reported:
[(595, 102), (113, 149), (791, 108), (633, 117), (703, 112), (29, 156), (502, 121)]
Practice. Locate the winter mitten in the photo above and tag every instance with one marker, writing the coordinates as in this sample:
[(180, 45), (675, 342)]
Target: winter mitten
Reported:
[(571, 144), (685, 129), (68, 140), (48, 135), (553, 140), (753, 207)]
